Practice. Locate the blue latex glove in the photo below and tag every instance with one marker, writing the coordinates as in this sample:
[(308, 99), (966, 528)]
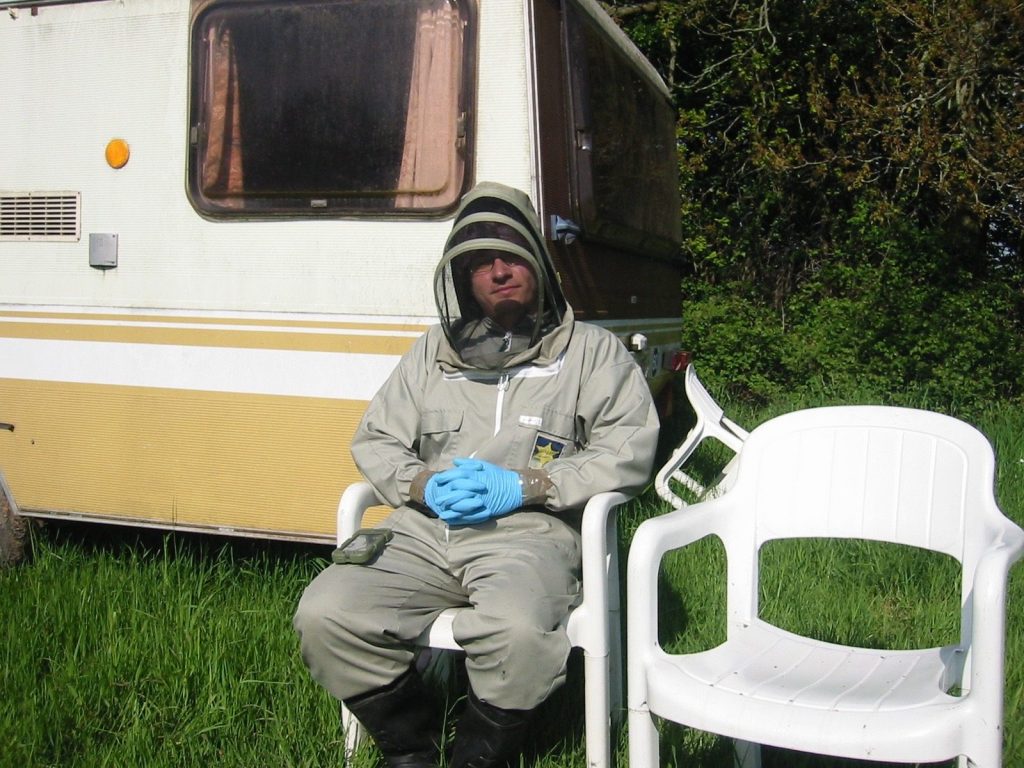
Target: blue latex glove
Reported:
[(502, 493), (451, 487)]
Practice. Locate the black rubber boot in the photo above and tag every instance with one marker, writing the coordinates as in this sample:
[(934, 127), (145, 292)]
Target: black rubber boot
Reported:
[(488, 737), (403, 720)]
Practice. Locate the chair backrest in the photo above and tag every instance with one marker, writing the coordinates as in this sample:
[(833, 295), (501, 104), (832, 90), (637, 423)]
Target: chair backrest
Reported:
[(868, 472), (711, 421), (707, 410), (703, 403)]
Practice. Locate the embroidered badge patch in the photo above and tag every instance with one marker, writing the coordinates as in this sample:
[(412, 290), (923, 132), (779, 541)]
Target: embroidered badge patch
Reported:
[(545, 449)]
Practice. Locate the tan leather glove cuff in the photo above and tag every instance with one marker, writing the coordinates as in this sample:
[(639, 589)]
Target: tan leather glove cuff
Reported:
[(536, 485), (418, 487)]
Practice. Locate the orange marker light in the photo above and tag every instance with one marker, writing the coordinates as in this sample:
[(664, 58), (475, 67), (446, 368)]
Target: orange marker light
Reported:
[(117, 153)]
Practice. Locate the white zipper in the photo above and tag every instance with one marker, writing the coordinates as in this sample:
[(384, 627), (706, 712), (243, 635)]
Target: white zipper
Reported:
[(502, 386)]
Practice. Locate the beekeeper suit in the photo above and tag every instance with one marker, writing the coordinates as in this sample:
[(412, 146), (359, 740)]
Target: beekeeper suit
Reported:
[(488, 439)]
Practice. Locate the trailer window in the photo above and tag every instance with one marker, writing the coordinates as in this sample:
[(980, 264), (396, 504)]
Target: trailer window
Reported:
[(625, 168), (325, 107)]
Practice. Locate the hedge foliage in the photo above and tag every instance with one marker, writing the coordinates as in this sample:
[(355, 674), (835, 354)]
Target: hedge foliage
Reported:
[(852, 185)]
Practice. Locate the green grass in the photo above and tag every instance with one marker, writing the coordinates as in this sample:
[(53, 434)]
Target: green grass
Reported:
[(133, 648), (149, 652)]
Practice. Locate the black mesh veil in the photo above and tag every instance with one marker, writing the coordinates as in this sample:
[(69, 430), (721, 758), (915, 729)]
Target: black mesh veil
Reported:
[(494, 218)]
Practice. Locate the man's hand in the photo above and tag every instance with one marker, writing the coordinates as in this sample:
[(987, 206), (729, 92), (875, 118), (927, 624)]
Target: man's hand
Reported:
[(450, 487), (473, 492)]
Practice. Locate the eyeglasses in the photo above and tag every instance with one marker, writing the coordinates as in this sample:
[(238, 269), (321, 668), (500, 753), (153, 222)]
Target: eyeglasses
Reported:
[(483, 262)]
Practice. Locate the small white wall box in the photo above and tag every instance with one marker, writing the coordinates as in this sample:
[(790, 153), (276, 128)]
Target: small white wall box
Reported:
[(102, 250)]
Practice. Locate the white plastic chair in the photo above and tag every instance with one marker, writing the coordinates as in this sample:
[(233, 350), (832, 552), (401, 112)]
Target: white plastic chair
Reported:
[(592, 626), (711, 422), (887, 474)]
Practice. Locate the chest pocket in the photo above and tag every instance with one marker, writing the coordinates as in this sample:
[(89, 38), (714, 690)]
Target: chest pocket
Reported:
[(439, 435), (554, 438)]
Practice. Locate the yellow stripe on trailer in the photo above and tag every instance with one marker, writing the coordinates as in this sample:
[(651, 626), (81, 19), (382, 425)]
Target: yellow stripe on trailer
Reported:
[(249, 434)]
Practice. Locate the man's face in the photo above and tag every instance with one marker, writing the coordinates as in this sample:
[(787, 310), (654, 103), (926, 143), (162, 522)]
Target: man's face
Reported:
[(503, 285)]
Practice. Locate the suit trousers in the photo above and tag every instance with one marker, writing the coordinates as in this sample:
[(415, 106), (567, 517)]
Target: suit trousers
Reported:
[(518, 575)]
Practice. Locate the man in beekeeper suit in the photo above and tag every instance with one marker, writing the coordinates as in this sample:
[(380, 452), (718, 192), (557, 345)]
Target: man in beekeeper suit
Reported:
[(488, 439)]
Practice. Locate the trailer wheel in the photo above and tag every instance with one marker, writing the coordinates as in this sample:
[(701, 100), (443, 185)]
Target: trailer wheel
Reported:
[(13, 528)]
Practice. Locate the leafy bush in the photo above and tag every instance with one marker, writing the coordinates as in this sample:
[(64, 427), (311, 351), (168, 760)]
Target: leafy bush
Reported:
[(851, 199), (888, 313)]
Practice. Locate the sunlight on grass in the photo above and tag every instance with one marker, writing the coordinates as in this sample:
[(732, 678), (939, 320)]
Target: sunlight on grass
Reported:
[(165, 657), (138, 649)]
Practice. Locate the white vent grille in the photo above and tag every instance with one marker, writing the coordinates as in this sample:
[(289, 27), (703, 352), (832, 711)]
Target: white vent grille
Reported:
[(40, 215)]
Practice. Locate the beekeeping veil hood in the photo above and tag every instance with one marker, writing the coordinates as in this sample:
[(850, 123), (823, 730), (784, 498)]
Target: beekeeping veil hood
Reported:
[(495, 217)]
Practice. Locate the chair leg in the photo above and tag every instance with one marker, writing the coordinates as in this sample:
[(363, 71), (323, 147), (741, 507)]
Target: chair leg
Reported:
[(643, 740), (597, 713), (353, 732), (614, 666), (747, 754), (616, 703), (985, 751)]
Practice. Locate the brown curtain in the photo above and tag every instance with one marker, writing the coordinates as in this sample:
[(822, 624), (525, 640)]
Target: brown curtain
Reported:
[(432, 165), (222, 156)]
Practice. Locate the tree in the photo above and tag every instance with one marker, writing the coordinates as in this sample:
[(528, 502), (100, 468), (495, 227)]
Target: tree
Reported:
[(851, 175)]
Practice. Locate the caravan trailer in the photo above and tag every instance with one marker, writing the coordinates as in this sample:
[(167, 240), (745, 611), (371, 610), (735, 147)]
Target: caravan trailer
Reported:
[(219, 221)]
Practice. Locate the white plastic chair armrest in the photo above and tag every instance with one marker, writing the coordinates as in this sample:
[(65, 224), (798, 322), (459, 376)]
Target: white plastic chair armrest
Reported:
[(596, 526), (988, 611), (680, 528), (589, 620), (356, 499), (653, 539)]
